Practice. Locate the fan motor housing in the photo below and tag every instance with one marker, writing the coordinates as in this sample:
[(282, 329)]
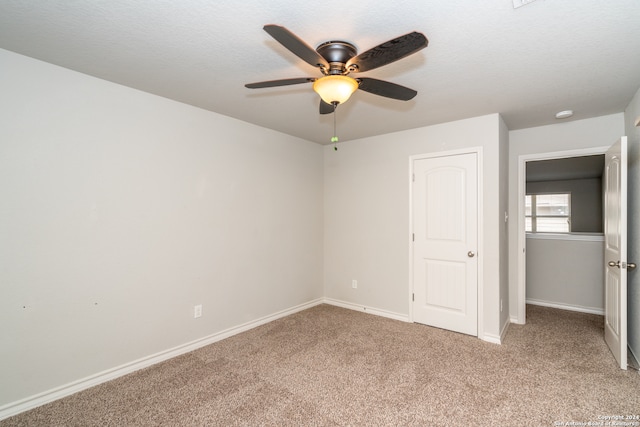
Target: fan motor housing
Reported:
[(337, 54)]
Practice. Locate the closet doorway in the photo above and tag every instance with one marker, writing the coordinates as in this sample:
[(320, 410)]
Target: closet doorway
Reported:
[(564, 237), (559, 173)]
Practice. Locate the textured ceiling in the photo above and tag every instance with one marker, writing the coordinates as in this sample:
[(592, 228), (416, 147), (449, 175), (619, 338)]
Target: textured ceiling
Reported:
[(483, 56)]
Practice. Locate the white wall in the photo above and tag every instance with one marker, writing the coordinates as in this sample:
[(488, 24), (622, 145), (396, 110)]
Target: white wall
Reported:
[(564, 136), (561, 271), (367, 214), (632, 113), (121, 210)]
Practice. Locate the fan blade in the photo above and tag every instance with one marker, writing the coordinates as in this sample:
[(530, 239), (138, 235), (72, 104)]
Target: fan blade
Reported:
[(298, 47), (388, 52), (386, 89), (283, 82), (326, 108)]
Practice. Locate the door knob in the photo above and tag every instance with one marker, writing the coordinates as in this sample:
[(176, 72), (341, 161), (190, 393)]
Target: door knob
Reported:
[(631, 266), (471, 254), (614, 264)]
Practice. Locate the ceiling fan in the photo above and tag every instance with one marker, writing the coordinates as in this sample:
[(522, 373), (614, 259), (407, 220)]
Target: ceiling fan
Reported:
[(337, 59)]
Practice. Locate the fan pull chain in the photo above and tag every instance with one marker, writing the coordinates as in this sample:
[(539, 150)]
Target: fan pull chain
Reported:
[(334, 138)]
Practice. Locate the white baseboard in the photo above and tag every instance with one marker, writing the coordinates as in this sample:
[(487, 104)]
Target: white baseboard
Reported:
[(505, 328), (494, 339), (366, 309), (31, 402), (497, 339), (590, 310)]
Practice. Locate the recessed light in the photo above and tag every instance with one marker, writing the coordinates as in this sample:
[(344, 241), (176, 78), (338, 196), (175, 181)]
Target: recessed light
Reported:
[(564, 114)]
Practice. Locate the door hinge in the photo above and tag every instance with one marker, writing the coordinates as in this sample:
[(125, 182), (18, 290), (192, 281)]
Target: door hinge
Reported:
[(413, 237), (413, 177), (413, 297)]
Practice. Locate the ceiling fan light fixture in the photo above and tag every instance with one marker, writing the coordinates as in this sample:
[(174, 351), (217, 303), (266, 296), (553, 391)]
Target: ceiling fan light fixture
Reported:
[(335, 89)]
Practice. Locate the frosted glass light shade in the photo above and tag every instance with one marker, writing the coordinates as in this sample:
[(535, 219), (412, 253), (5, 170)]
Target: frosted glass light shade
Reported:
[(335, 89)]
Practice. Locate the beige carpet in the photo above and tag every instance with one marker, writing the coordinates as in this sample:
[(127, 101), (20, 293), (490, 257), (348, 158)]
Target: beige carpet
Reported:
[(328, 366)]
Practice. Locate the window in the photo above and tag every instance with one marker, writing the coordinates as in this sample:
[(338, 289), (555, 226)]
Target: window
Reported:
[(548, 213)]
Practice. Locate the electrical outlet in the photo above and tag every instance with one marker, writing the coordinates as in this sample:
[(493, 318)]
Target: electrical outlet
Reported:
[(354, 284), (197, 311)]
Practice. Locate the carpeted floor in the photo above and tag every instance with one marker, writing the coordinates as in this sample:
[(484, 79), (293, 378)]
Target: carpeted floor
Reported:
[(329, 366)]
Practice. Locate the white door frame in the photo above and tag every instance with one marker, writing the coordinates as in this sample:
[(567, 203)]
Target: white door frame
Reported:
[(522, 235), (480, 255)]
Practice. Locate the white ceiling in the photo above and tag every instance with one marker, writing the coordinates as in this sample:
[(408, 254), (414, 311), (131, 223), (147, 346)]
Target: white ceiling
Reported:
[(483, 56)]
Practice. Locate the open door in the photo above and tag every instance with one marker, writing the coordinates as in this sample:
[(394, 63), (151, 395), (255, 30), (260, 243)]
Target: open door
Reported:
[(615, 250)]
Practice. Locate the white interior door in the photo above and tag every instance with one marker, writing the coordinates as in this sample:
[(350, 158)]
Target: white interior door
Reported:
[(615, 252), (445, 238)]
